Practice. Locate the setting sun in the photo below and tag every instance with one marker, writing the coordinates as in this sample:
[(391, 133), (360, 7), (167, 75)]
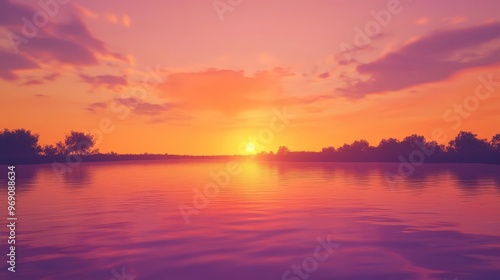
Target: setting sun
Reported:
[(250, 148)]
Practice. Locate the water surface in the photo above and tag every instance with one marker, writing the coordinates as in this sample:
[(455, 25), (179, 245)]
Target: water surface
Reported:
[(118, 219)]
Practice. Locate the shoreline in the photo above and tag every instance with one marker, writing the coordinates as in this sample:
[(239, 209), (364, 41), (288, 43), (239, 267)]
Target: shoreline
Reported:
[(312, 157)]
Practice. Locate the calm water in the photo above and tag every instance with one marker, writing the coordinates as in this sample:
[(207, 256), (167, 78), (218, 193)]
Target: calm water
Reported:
[(122, 220)]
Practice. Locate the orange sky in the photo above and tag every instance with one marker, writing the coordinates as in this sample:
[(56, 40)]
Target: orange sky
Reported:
[(186, 77)]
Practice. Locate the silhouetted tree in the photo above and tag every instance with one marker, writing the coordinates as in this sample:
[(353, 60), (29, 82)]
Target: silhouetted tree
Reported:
[(18, 144), (283, 151), (357, 146), (358, 150), (411, 143), (388, 149), (61, 148), (328, 151), (495, 142), (468, 143), (439, 148), (49, 150), (388, 145), (79, 143)]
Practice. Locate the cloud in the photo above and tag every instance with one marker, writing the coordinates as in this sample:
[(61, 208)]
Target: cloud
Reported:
[(32, 82), (59, 50), (41, 80), (105, 81), (126, 20), (422, 21), (454, 20), (140, 107), (432, 58), (86, 12), (69, 42), (135, 105), (51, 77), (11, 63), (123, 20), (324, 75), (173, 120), (227, 91), (11, 13), (96, 106)]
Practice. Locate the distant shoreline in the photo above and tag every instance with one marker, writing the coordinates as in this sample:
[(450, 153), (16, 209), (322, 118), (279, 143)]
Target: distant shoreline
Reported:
[(292, 157), (20, 146), (107, 158)]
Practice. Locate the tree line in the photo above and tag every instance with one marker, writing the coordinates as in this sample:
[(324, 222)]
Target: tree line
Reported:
[(465, 147), (21, 146)]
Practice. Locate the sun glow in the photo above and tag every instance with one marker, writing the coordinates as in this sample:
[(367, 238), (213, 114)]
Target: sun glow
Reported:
[(250, 148)]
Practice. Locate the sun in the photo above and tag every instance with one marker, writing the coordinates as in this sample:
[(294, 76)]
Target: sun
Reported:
[(250, 148)]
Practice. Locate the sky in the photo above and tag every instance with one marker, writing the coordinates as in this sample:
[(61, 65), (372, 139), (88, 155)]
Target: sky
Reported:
[(209, 77)]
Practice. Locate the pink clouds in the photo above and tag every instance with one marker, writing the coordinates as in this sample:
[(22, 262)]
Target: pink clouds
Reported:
[(105, 81), (154, 113), (11, 13), (67, 43), (11, 63), (47, 78), (432, 58)]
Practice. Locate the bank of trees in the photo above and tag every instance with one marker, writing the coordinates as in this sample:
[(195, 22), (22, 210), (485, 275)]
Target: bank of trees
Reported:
[(465, 147), (21, 145)]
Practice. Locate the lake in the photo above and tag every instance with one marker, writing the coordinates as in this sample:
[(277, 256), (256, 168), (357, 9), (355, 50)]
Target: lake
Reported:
[(273, 220)]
